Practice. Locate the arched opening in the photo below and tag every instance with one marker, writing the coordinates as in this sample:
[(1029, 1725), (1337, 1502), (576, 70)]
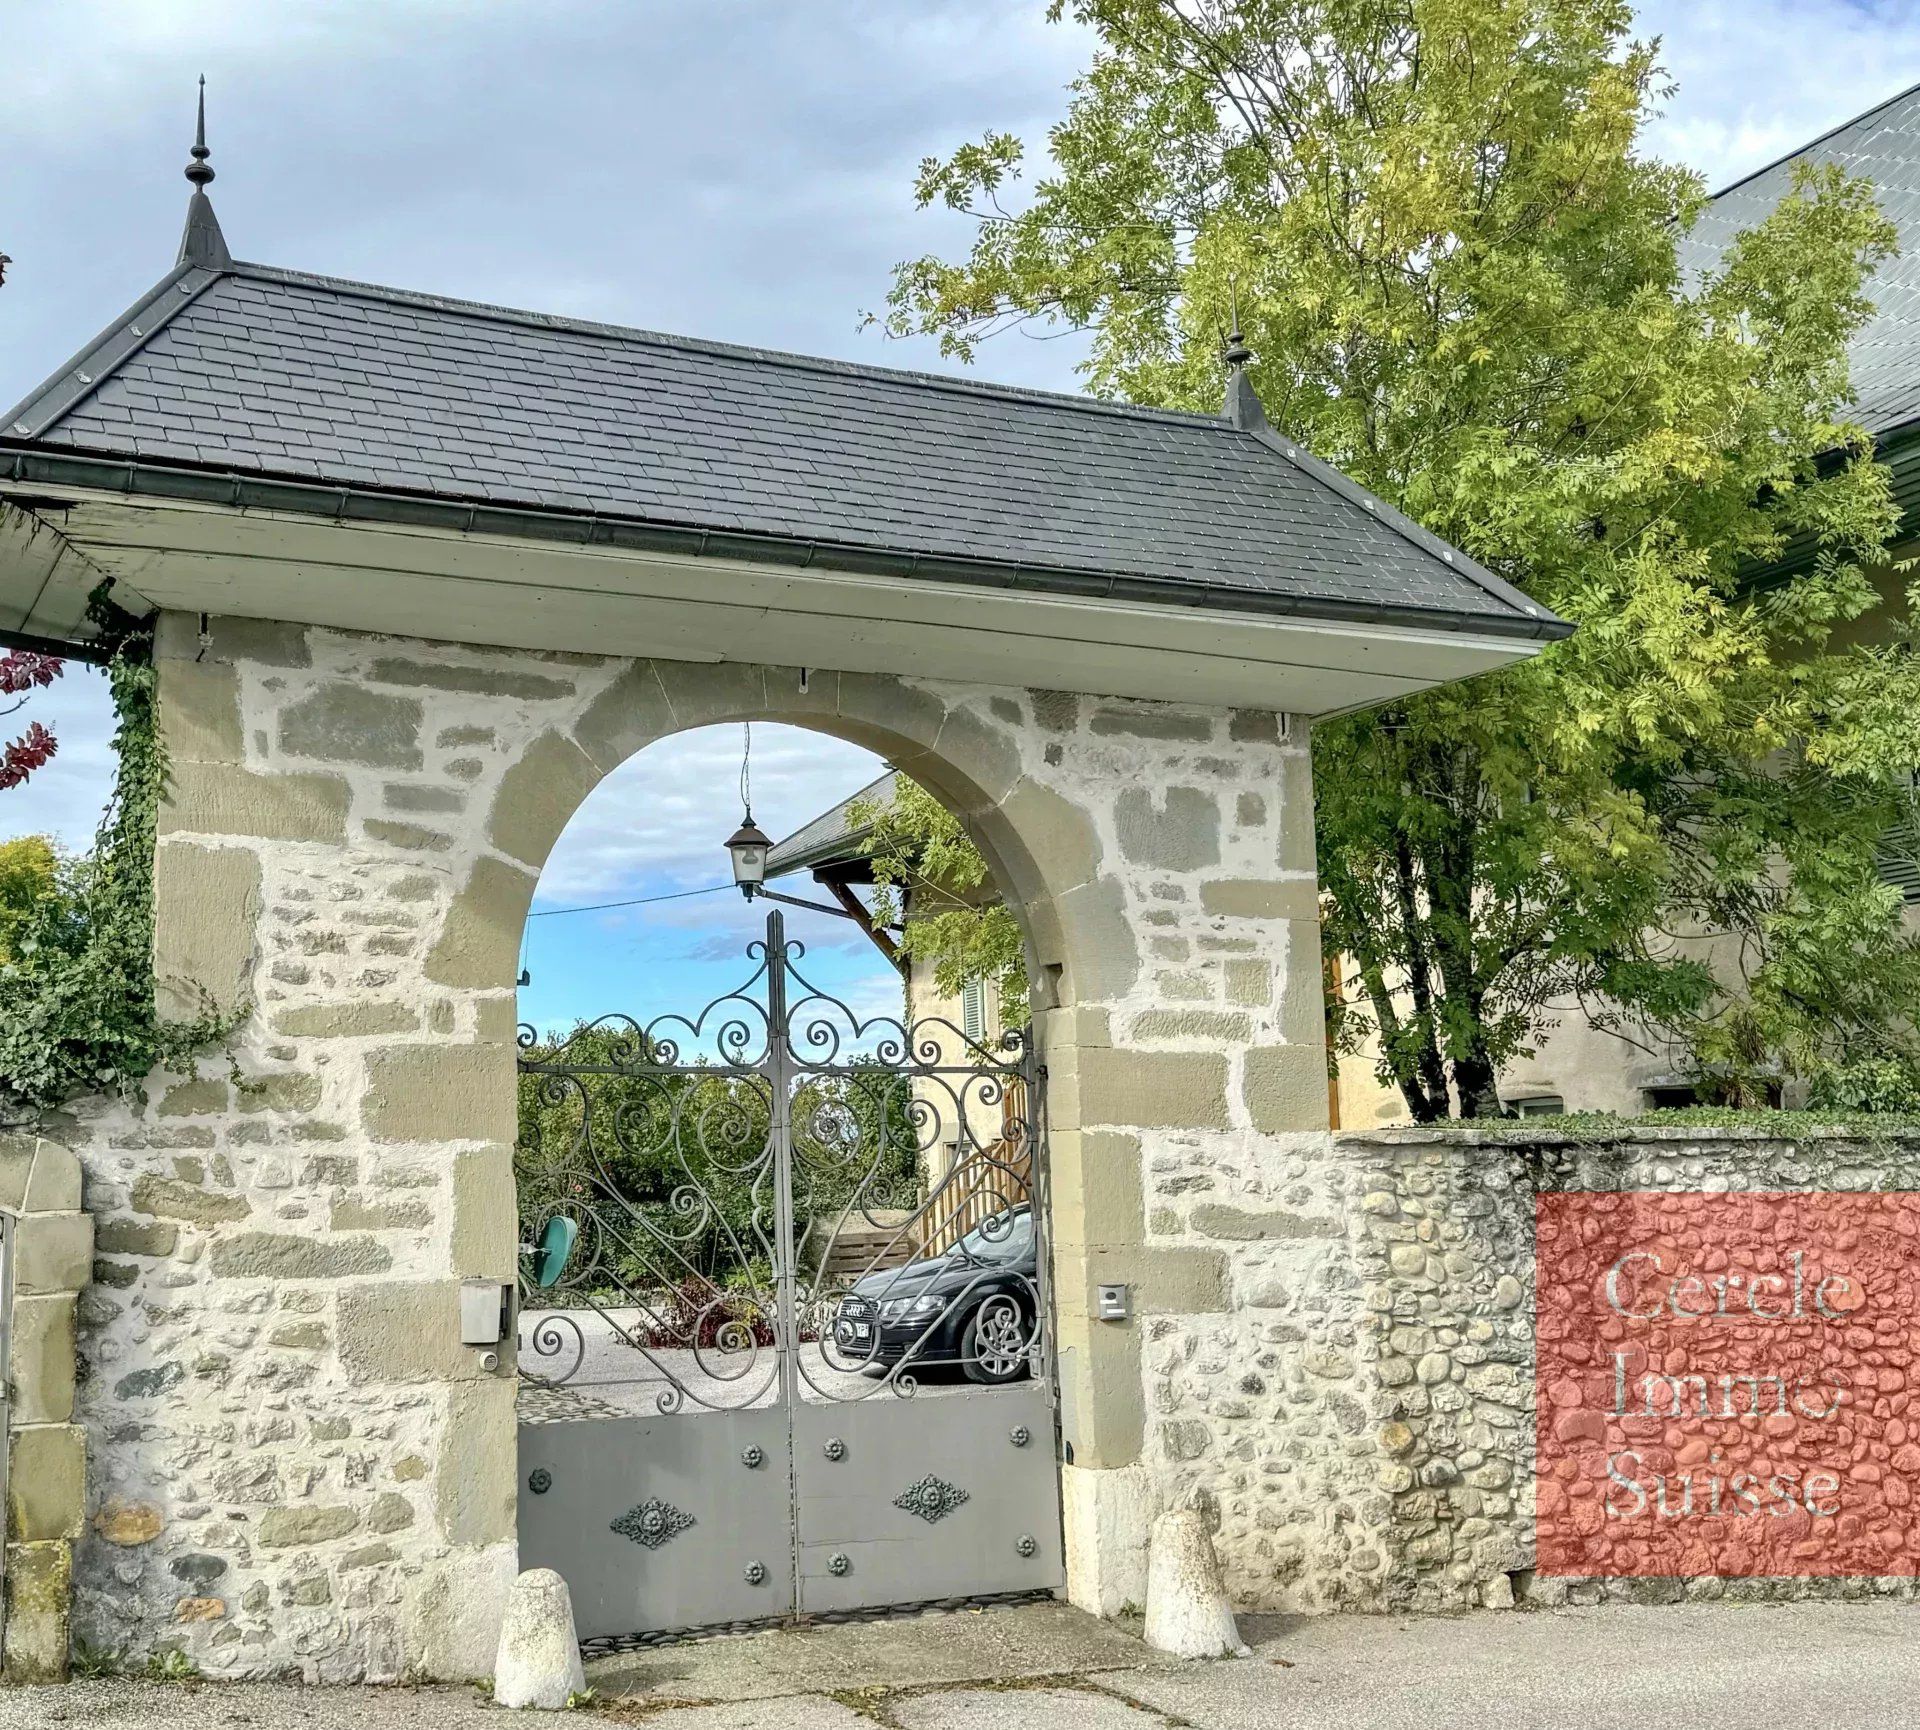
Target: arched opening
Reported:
[(781, 1200)]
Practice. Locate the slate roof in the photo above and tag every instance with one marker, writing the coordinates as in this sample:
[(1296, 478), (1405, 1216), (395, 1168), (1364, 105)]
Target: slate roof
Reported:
[(243, 369), (833, 837), (1882, 145)]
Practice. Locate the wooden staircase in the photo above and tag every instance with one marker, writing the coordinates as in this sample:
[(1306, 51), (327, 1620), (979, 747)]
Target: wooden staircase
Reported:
[(984, 1181)]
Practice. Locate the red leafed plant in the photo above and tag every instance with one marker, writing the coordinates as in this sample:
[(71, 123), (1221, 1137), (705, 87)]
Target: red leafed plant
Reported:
[(23, 672), (698, 1314)]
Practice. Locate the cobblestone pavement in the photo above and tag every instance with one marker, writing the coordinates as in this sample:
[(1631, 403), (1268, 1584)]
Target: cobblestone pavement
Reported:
[(1670, 1668)]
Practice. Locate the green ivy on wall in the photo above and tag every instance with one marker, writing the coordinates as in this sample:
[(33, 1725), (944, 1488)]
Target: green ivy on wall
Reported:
[(77, 1010)]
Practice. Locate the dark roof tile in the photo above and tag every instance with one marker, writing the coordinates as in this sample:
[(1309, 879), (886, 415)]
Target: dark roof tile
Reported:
[(1883, 146), (266, 371)]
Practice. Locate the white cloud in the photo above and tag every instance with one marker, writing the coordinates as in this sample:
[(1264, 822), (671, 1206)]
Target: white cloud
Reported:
[(664, 815), (739, 170), (1760, 78)]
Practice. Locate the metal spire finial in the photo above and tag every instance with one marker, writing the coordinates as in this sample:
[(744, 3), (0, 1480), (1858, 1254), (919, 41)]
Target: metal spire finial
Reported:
[(1236, 354), (1243, 401), (199, 170), (202, 243)]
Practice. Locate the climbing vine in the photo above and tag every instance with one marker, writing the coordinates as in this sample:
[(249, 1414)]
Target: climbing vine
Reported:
[(77, 1009)]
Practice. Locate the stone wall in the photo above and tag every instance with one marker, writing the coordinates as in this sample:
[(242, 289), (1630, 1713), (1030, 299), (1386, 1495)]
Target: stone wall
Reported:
[(295, 1467), (1442, 1228), (43, 1452), (1261, 1387)]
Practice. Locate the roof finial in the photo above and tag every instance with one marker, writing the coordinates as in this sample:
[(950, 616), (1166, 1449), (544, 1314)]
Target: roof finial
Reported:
[(202, 243), (199, 170), (1236, 354), (1243, 401)]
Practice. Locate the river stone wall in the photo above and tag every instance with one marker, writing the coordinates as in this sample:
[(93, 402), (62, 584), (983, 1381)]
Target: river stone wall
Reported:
[(293, 1464), (1442, 1228)]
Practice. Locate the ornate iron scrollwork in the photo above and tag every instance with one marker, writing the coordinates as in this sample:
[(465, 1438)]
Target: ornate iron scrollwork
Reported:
[(652, 1523), (932, 1499), (735, 1175)]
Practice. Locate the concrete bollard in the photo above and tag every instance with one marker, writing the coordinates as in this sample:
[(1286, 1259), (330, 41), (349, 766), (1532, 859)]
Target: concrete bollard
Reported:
[(539, 1659), (1187, 1609)]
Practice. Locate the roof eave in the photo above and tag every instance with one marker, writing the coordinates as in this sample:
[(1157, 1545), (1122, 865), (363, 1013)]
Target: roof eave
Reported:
[(838, 851), (49, 403), (41, 465)]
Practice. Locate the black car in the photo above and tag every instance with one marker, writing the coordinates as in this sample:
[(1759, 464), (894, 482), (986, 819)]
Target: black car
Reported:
[(974, 1307)]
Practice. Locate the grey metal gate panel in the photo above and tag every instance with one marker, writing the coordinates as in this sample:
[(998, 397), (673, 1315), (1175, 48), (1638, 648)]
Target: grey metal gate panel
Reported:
[(808, 1256), (668, 1522), (932, 1497)]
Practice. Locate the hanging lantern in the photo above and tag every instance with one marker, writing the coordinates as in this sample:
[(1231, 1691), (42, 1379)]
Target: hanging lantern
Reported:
[(749, 849)]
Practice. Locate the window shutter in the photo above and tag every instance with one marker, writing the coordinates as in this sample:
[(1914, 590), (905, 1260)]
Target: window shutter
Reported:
[(973, 1010)]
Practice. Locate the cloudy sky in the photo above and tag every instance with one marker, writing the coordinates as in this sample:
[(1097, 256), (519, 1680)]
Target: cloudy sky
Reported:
[(739, 169)]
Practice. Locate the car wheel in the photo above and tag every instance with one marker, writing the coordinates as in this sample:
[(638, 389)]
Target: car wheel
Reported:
[(993, 1349)]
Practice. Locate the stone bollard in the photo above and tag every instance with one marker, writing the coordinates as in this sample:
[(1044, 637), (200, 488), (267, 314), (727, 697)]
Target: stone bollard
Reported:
[(539, 1660), (1187, 1609)]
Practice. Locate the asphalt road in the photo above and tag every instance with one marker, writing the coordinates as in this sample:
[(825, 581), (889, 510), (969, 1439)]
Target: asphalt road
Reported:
[(1691, 1667)]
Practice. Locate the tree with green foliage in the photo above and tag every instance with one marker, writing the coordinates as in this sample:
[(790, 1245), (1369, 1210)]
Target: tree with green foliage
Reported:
[(1457, 269), (669, 1173), (34, 873), (77, 1007), (931, 882)]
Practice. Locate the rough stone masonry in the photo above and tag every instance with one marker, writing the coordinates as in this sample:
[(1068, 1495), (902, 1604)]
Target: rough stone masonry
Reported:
[(1443, 1327), (295, 1467)]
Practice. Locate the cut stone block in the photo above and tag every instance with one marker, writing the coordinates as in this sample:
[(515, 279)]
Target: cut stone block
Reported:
[(539, 1661), (1187, 1610)]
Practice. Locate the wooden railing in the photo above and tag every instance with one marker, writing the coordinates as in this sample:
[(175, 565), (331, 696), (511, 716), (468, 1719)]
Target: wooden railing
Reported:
[(984, 1181)]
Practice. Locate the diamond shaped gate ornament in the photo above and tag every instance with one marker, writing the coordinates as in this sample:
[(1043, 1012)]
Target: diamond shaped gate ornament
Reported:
[(652, 1522), (932, 1498)]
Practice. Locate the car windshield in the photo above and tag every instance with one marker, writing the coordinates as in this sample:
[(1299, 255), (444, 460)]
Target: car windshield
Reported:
[(1005, 1237)]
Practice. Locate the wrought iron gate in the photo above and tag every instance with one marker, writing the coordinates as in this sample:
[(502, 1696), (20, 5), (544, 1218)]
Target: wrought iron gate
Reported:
[(785, 1318)]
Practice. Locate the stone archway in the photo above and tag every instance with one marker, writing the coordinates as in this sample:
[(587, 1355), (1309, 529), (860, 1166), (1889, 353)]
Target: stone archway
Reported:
[(353, 835)]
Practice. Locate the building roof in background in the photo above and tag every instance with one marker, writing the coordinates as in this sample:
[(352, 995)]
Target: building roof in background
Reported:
[(832, 838), (240, 369), (1881, 145)]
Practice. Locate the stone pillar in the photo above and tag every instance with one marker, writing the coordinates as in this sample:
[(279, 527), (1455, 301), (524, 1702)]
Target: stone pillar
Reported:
[(301, 1466), (51, 1243), (1186, 1084)]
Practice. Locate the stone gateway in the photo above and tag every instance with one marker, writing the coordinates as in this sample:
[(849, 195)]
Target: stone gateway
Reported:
[(424, 572)]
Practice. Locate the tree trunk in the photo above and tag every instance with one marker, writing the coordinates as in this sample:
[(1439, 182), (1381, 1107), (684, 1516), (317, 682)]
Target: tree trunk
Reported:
[(1427, 1065), (1476, 1084)]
